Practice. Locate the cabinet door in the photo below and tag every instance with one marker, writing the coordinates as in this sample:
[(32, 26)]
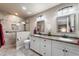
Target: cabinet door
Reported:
[(32, 43), (57, 52), (37, 44), (72, 50), (57, 48), (72, 54), (45, 47)]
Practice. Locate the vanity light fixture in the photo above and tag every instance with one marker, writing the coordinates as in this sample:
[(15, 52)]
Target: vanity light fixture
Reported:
[(41, 18)]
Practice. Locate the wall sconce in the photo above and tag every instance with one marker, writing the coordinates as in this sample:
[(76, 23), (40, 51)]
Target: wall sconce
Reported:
[(41, 18)]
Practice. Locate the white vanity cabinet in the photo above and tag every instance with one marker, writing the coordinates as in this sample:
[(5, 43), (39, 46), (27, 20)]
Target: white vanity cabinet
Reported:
[(40, 45), (35, 44), (45, 47), (32, 42), (64, 49)]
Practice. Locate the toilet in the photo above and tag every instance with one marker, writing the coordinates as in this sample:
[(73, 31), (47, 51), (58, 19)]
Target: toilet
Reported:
[(27, 44)]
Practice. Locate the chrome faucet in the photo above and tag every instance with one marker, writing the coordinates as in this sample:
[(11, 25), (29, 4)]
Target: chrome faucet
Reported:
[(65, 36)]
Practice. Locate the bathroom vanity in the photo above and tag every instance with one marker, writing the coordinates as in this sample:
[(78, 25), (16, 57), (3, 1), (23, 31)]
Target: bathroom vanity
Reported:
[(66, 21), (54, 46)]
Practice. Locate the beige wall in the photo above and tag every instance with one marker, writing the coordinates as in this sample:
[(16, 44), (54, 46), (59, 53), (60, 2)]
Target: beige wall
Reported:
[(51, 20)]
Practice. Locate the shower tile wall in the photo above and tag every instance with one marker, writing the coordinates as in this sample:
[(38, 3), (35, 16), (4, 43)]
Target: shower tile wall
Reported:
[(7, 20)]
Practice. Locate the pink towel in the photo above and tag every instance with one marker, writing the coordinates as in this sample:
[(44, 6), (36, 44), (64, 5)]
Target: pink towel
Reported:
[(2, 36)]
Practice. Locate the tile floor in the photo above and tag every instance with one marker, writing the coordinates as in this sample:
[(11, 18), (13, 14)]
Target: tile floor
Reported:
[(26, 52), (8, 51), (20, 52)]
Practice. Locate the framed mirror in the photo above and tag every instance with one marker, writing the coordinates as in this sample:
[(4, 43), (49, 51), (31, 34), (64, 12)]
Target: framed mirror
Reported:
[(14, 27), (40, 26), (66, 23)]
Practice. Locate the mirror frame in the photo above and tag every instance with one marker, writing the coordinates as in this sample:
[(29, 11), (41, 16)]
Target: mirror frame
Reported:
[(69, 19)]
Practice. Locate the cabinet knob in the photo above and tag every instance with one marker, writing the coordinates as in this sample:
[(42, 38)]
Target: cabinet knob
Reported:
[(34, 40), (18, 39), (44, 53), (44, 40), (65, 50), (44, 45)]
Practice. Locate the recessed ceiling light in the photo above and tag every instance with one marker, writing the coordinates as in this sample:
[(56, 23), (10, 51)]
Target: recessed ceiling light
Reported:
[(24, 8), (16, 13)]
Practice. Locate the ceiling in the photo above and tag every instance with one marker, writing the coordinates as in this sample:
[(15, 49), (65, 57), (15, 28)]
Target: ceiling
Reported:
[(31, 8)]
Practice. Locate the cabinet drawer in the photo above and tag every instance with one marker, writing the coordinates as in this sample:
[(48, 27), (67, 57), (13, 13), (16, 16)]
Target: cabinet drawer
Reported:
[(72, 48), (46, 52), (46, 47), (72, 54), (57, 52), (43, 51), (43, 48), (45, 41), (59, 45)]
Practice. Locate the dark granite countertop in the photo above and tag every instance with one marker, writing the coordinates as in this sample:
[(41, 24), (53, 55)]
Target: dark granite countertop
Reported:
[(71, 40)]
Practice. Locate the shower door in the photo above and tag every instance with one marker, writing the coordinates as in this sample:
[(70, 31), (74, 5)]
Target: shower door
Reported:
[(10, 39)]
